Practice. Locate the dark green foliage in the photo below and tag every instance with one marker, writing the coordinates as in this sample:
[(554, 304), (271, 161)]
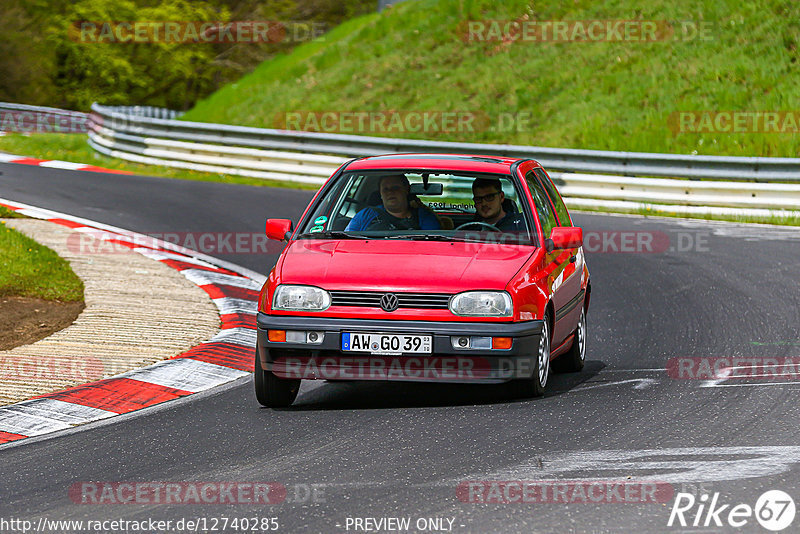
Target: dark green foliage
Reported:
[(43, 60)]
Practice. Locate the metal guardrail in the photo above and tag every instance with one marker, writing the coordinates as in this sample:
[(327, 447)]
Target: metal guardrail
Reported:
[(311, 157), (570, 160), (755, 186), (146, 134), (22, 118), (145, 111)]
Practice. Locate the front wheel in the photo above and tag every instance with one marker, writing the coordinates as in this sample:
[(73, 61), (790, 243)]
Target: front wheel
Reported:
[(535, 385), (573, 360), (271, 391)]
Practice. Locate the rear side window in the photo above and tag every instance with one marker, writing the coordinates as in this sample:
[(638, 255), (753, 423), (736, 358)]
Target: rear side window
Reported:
[(561, 209), (546, 216)]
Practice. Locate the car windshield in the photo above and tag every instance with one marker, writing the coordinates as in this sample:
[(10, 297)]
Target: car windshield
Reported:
[(420, 205)]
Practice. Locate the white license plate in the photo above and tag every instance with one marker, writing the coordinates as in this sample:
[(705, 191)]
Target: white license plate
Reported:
[(386, 343)]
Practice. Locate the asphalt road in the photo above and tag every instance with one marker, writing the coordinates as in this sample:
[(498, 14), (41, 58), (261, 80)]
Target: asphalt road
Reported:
[(399, 450)]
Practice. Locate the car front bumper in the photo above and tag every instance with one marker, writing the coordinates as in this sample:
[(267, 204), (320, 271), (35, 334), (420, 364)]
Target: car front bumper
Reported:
[(445, 363)]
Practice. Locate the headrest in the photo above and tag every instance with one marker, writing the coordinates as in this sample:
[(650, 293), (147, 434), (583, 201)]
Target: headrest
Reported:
[(374, 199), (509, 206)]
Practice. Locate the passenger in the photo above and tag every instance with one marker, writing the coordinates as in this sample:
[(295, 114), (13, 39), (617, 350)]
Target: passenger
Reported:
[(396, 213), (487, 193)]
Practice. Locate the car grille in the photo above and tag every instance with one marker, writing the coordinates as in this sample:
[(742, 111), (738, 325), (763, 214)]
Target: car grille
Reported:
[(372, 299)]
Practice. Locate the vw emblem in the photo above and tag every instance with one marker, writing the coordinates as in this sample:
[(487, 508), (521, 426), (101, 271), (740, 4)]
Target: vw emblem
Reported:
[(389, 302)]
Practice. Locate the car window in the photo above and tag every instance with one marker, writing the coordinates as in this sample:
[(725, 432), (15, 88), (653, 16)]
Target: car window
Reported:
[(321, 219), (446, 209), (547, 217), (555, 198)]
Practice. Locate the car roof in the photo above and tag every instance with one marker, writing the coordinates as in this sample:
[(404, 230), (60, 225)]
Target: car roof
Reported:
[(451, 162)]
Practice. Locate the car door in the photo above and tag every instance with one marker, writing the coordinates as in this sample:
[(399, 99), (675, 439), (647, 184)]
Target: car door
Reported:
[(562, 281), (572, 280)]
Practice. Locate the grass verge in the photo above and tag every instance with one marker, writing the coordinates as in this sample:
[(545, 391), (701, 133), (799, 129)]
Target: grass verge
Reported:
[(28, 269), (75, 149), (6, 213), (616, 94)]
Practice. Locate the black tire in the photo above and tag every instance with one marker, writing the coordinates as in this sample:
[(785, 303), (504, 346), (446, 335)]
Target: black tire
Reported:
[(536, 384), (574, 360), (271, 391)]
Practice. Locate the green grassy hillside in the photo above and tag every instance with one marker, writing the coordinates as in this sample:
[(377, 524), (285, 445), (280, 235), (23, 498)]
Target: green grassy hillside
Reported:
[(598, 95)]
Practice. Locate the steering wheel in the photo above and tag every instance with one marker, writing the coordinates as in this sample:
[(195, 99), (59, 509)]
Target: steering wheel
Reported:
[(491, 227)]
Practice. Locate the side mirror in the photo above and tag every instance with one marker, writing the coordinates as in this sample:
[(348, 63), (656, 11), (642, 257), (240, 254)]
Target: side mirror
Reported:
[(562, 237), (279, 229)]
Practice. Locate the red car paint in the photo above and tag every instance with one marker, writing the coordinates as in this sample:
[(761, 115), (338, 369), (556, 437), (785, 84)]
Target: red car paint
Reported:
[(537, 280)]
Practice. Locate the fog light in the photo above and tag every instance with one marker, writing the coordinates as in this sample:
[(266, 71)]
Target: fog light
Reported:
[(503, 343), (302, 336), (315, 338), (471, 342), (277, 336), (295, 336), (459, 342), (480, 342)]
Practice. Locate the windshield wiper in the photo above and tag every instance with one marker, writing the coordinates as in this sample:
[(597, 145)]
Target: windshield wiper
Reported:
[(452, 238), (423, 237), (334, 235)]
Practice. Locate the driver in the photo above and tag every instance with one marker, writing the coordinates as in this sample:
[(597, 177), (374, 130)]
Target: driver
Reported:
[(396, 213), (487, 193)]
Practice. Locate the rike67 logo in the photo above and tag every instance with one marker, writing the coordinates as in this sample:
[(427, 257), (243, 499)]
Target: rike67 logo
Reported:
[(774, 510)]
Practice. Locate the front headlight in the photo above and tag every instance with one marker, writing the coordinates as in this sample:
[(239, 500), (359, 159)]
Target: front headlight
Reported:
[(482, 304), (301, 298)]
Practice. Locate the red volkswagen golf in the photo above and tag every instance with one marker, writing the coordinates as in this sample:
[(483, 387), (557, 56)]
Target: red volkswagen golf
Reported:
[(424, 267)]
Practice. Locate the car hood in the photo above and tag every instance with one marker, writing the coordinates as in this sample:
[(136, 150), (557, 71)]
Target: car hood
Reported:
[(395, 265)]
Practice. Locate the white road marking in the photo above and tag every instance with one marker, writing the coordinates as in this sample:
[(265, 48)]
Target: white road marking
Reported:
[(751, 385), (59, 410), (240, 336), (748, 232), (722, 375), (97, 234), (693, 464), (204, 278), (726, 372), (28, 424), (35, 213), (58, 164), (185, 374), (228, 305), (659, 370), (160, 255), (641, 383), (40, 416)]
